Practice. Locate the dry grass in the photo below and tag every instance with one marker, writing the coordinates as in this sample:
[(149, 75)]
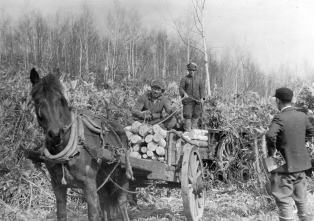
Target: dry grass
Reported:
[(222, 204)]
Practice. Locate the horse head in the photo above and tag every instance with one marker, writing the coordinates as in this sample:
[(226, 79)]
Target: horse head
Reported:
[(52, 109)]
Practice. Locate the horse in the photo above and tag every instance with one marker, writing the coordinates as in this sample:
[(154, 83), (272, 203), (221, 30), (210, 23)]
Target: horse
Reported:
[(70, 153)]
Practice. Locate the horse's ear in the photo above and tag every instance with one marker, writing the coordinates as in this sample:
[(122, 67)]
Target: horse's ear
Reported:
[(34, 76)]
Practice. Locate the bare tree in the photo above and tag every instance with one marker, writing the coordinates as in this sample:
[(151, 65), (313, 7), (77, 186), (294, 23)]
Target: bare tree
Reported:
[(199, 21)]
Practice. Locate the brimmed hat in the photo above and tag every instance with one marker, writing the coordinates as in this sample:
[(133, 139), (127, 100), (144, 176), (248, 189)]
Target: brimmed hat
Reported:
[(284, 94), (191, 66), (157, 83)]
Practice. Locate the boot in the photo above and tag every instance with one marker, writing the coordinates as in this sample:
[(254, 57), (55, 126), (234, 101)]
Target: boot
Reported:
[(194, 123), (187, 124)]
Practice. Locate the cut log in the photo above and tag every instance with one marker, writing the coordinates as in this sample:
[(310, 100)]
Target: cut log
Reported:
[(200, 143), (136, 148), (160, 151), (144, 149), (158, 130), (144, 156), (157, 138), (150, 154), (162, 159), (144, 129), (135, 127), (128, 134), (151, 146), (135, 155), (135, 139), (162, 142), (149, 138), (201, 138), (198, 134), (128, 128)]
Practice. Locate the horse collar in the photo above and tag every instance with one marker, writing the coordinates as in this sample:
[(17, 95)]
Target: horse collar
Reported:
[(67, 127), (71, 148)]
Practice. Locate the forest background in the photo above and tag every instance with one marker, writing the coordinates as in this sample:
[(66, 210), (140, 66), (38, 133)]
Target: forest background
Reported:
[(105, 71)]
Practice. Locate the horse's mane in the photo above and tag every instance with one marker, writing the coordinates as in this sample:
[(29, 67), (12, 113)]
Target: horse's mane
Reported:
[(47, 85)]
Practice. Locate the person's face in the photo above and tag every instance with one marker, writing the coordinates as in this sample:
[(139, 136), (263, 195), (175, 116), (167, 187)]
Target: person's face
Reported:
[(279, 104), (191, 72), (156, 91)]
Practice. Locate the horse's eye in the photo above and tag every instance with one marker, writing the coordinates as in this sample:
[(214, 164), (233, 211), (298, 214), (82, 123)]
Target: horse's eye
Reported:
[(40, 116)]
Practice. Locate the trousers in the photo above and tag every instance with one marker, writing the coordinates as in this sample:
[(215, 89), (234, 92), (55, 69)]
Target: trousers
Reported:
[(289, 189), (192, 110)]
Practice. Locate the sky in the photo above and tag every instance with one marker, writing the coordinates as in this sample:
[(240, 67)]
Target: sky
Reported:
[(273, 32)]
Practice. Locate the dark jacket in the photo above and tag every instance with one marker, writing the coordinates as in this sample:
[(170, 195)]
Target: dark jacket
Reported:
[(193, 86), (287, 133), (155, 106)]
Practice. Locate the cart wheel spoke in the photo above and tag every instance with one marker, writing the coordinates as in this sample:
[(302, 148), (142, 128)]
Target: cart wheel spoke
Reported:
[(197, 163), (191, 179), (195, 208), (226, 152), (192, 162), (199, 173)]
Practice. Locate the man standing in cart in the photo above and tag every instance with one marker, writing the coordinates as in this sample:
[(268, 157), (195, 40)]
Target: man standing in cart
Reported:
[(192, 91), (287, 134), (150, 106)]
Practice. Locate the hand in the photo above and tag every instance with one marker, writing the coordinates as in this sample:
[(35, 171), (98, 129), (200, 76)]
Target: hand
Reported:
[(185, 95), (147, 115), (147, 112), (178, 115)]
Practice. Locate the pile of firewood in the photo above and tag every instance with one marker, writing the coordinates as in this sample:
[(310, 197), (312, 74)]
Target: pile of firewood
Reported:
[(147, 141), (198, 137)]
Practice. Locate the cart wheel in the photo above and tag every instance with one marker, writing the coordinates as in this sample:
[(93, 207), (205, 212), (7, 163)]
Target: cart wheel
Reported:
[(226, 153), (192, 183)]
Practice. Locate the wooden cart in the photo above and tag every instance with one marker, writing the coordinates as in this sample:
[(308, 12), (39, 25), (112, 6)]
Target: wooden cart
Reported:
[(182, 167)]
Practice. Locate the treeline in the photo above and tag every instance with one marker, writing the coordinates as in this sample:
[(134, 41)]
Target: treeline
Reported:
[(124, 50)]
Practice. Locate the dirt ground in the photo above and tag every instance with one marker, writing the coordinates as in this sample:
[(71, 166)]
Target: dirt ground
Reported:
[(225, 203)]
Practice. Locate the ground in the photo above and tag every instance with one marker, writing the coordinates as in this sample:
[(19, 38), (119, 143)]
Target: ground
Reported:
[(223, 203)]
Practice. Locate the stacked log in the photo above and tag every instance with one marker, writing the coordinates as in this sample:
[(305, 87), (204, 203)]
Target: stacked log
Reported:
[(197, 136), (147, 141)]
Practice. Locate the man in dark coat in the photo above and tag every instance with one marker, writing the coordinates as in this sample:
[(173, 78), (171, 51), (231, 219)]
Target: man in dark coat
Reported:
[(287, 134), (192, 90), (149, 107)]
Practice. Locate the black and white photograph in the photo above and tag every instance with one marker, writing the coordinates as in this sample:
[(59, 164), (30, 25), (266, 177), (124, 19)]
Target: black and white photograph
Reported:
[(156, 110)]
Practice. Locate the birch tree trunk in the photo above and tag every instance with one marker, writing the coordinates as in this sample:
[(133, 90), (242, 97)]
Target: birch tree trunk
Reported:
[(205, 50), (208, 91), (87, 56), (188, 50), (199, 20), (164, 61), (81, 54)]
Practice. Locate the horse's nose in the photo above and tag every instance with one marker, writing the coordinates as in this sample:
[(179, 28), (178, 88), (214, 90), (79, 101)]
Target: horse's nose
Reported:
[(53, 133)]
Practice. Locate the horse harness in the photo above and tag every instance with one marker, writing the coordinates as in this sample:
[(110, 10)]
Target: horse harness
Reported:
[(77, 142)]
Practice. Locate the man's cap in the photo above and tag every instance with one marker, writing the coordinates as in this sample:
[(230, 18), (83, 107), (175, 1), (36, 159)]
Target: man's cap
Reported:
[(284, 94), (191, 66), (157, 83)]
